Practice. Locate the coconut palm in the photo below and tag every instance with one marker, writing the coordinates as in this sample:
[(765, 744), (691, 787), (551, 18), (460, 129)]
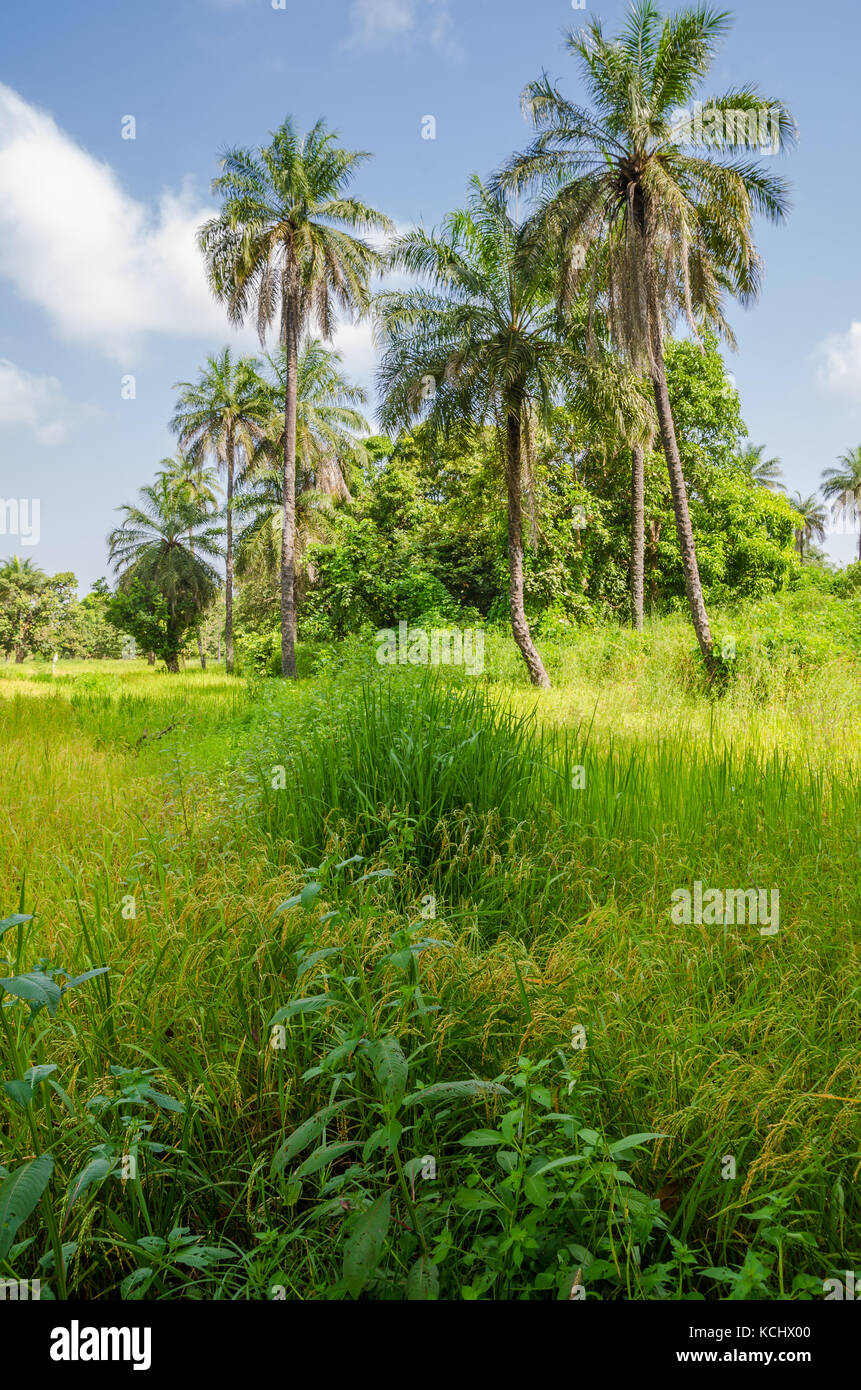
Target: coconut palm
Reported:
[(673, 225), (812, 518), (223, 416), (328, 449), (842, 488), (189, 476), (152, 544), (765, 472), (282, 247), (479, 342)]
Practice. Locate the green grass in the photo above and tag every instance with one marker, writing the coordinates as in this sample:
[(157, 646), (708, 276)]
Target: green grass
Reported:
[(510, 914)]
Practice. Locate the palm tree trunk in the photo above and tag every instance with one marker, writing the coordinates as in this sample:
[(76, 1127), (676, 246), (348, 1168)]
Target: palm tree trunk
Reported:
[(693, 586), (200, 652), (228, 564), (519, 625), (288, 518), (638, 535)]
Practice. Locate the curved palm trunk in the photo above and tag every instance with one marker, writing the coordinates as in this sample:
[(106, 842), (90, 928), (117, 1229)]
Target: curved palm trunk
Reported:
[(200, 652), (638, 535), (228, 563), (519, 625), (693, 586), (288, 516)]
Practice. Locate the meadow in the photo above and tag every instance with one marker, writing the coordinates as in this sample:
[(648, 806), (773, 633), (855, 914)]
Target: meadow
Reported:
[(393, 1005)]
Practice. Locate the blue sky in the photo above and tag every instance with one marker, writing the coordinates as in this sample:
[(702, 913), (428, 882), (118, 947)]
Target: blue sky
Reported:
[(100, 278)]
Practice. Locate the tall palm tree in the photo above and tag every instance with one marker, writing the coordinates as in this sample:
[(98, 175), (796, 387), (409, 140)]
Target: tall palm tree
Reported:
[(765, 472), (328, 449), (189, 476), (152, 544), (812, 518), (842, 488), (282, 247), (478, 343), (674, 225), (223, 416)]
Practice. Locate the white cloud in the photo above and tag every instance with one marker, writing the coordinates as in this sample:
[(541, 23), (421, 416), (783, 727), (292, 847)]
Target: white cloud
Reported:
[(840, 364), (374, 22), (106, 268), (37, 403)]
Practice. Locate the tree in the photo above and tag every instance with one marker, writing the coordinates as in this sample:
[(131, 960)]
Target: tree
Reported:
[(674, 226), (282, 246), (189, 476), (765, 472), (164, 584), (480, 344), (223, 416), (812, 517), (842, 488), (24, 596), (328, 451)]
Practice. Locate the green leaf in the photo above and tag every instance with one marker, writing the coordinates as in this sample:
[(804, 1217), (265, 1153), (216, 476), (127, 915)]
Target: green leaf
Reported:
[(95, 1171), (633, 1140), (19, 1195), (39, 991), (23, 1090), (304, 1135), (390, 1067), (365, 1245), (87, 975), (311, 1005), (423, 1281), (321, 1158), (481, 1138), (455, 1090), (16, 920), (202, 1256), (308, 894)]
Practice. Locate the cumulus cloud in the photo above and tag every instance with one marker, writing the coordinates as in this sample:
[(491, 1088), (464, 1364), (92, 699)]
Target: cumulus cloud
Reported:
[(37, 403), (108, 270), (839, 369)]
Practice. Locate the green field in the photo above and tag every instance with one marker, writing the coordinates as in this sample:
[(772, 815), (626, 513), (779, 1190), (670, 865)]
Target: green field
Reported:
[(394, 1002)]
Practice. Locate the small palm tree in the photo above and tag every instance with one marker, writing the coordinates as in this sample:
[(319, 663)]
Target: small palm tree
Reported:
[(152, 544), (673, 226), (480, 344), (812, 519), (329, 448), (282, 248), (765, 472), (223, 416), (189, 476), (842, 488)]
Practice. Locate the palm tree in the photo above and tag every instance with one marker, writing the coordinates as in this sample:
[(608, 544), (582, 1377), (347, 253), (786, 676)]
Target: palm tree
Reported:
[(152, 544), (765, 472), (282, 246), (842, 487), (223, 416), (674, 226), (328, 449), (479, 343), (189, 476), (812, 516)]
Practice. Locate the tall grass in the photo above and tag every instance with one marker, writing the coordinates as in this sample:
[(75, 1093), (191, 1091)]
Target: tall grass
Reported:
[(511, 913)]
